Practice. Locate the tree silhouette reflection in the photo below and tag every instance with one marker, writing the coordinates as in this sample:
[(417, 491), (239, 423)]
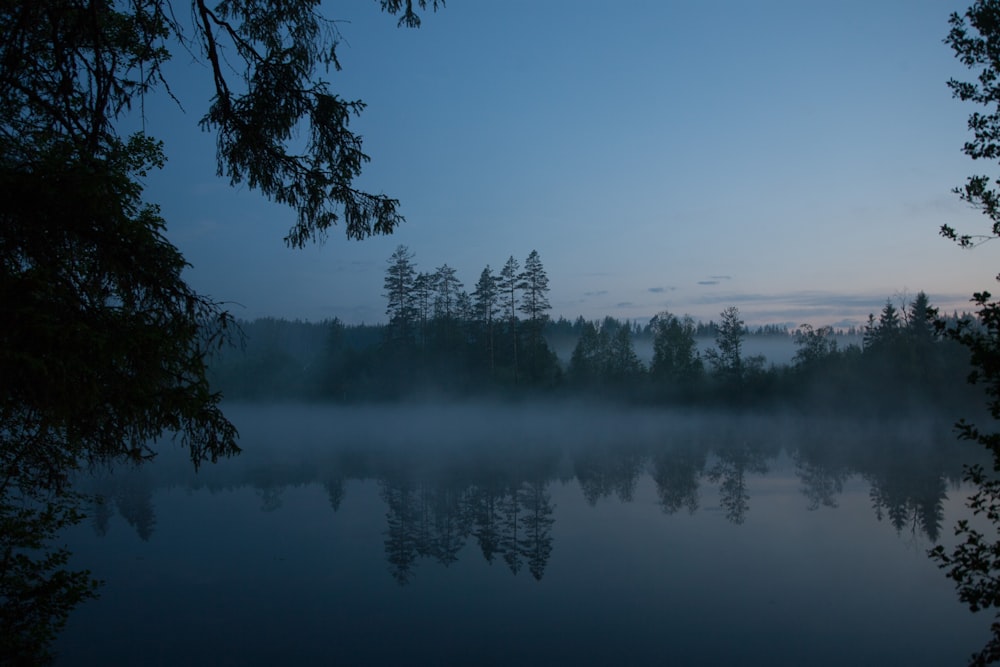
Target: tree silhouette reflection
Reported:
[(435, 498), (611, 468), (511, 527), (130, 491), (913, 503), (820, 484), (538, 510), (733, 462), (444, 523), (335, 492), (675, 471), (402, 517), (484, 513)]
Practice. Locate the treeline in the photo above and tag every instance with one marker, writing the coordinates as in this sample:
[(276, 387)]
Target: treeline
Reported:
[(497, 340)]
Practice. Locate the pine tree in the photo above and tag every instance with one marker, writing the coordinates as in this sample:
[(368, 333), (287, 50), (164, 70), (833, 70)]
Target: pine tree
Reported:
[(534, 284), (508, 285), (447, 287), (486, 298), (400, 278), (423, 301)]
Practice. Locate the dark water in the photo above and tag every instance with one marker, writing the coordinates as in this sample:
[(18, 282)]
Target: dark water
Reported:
[(512, 536)]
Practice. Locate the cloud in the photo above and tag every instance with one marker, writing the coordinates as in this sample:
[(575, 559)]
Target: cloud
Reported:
[(842, 310), (660, 290), (624, 304), (597, 293), (714, 280), (806, 299)]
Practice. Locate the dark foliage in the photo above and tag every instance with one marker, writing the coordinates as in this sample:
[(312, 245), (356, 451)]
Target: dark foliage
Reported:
[(104, 346), (464, 357), (974, 564)]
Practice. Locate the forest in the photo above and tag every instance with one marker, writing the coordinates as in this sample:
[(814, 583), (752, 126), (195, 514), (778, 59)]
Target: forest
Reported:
[(498, 341)]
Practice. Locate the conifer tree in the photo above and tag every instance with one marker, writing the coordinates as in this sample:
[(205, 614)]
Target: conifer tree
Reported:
[(400, 279), (508, 285), (486, 298)]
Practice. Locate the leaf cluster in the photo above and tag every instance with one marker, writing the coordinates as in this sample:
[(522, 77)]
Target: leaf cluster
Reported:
[(104, 347), (975, 38), (37, 592)]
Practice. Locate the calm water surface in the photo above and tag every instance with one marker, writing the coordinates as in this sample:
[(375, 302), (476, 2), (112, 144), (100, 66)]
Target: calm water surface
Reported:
[(514, 536)]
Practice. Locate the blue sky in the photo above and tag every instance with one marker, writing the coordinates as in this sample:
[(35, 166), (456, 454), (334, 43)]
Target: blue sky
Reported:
[(794, 159)]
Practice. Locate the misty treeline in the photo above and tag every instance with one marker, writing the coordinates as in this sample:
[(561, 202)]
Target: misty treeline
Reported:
[(496, 493), (497, 340)]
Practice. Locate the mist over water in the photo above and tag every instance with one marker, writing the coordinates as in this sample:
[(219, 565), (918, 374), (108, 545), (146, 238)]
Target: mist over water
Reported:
[(567, 533)]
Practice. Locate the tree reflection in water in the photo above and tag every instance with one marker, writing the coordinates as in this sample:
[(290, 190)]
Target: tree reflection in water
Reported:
[(733, 463), (500, 496), (676, 472)]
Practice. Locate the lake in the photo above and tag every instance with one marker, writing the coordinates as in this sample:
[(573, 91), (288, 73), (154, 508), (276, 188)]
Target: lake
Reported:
[(542, 535)]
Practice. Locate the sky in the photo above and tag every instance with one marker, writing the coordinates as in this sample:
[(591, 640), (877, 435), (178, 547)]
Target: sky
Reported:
[(792, 158)]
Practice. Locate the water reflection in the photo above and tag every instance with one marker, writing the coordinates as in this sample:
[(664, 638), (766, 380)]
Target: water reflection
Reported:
[(676, 473), (497, 495), (130, 492), (732, 464), (508, 511)]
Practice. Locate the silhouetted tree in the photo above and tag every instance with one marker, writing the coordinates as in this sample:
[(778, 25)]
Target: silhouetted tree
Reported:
[(726, 357), (973, 563), (508, 285), (486, 298), (920, 318), (622, 365), (534, 285), (604, 355), (399, 294), (447, 300), (814, 346), (675, 353), (883, 334), (423, 302), (446, 287), (587, 361), (464, 310), (104, 344)]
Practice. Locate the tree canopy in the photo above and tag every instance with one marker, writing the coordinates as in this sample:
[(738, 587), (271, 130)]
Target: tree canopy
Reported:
[(104, 345), (973, 37), (973, 563)]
